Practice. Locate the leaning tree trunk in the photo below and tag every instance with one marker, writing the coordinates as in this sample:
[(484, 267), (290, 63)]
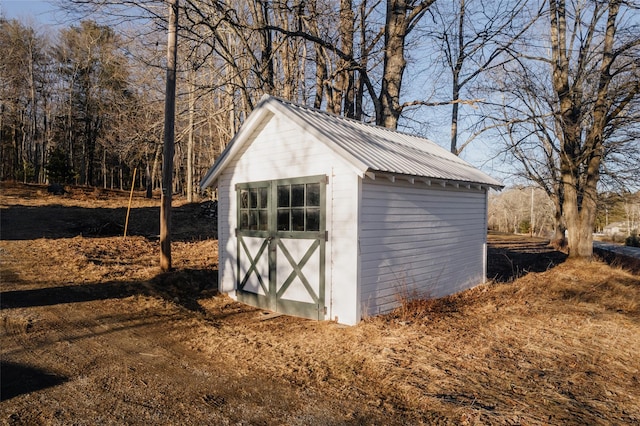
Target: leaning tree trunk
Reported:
[(402, 15)]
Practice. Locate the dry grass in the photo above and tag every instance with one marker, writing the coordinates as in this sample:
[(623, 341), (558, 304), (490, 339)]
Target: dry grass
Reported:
[(559, 346), (556, 347)]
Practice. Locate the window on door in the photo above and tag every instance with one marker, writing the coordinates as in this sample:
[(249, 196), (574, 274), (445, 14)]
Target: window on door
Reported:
[(254, 215), (298, 207)]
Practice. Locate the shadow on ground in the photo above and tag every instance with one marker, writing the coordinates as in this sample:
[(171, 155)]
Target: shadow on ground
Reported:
[(183, 287), (20, 379), (628, 263), (510, 257), (20, 222)]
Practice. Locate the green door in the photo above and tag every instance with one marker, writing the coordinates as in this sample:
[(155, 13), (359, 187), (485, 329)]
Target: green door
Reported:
[(281, 245)]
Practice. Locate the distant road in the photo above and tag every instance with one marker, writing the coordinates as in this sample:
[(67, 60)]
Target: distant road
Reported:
[(616, 248)]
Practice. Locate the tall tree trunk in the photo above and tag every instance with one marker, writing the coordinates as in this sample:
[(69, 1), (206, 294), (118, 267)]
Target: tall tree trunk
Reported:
[(149, 182), (559, 231), (320, 57), (169, 121), (104, 168), (33, 133), (156, 181), (192, 112), (402, 16), (364, 60), (457, 69), (260, 11), (394, 63), (343, 101), (2, 152)]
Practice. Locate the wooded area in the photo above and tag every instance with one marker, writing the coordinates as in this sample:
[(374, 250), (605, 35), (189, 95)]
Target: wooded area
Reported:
[(552, 87)]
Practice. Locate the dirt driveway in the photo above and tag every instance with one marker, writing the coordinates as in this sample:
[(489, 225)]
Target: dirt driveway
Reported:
[(92, 333)]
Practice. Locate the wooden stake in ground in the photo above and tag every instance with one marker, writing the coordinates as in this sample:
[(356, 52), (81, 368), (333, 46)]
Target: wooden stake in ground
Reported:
[(169, 121), (126, 222)]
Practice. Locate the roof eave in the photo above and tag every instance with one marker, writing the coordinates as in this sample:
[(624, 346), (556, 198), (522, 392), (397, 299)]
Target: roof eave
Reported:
[(399, 177)]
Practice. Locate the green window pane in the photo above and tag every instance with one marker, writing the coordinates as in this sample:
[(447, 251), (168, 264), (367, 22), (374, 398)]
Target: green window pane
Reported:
[(313, 220), (297, 219), (244, 199), (313, 194), (263, 220), (253, 220), (297, 195), (283, 220), (283, 196), (263, 197), (244, 220), (253, 198)]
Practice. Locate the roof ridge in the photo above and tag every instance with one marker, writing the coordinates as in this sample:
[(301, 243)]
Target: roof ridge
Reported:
[(348, 119), (370, 126)]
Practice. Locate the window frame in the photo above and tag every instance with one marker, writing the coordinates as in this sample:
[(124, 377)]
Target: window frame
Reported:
[(272, 206)]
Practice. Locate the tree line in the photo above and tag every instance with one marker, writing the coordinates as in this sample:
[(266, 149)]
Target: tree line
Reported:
[(551, 85), (78, 107), (529, 210)]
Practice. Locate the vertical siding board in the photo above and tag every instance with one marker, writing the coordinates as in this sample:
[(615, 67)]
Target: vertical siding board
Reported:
[(344, 243), (420, 239), (226, 225), (484, 244)]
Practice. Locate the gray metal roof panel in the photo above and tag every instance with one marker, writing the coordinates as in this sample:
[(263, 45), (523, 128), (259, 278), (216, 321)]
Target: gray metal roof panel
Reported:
[(368, 148), (389, 151)]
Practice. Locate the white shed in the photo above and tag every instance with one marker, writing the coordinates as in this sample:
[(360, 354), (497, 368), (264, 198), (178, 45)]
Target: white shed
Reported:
[(329, 218)]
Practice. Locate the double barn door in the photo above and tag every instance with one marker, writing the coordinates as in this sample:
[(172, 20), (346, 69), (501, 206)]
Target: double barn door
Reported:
[(281, 245)]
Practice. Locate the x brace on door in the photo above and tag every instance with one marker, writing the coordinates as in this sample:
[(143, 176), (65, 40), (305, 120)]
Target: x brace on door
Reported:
[(254, 260), (297, 270)]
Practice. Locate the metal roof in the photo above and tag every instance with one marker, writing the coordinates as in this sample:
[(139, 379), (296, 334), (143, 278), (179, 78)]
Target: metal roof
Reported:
[(371, 149)]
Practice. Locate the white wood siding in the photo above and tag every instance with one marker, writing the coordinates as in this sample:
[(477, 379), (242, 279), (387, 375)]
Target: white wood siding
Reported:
[(418, 240), (227, 223), (281, 150), (342, 248)]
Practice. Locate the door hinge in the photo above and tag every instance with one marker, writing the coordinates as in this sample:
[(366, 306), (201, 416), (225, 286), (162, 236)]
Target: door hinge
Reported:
[(236, 232), (326, 235)]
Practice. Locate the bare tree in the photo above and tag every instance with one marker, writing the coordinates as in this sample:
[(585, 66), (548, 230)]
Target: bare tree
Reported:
[(94, 72), (402, 16), (474, 38), (578, 102)]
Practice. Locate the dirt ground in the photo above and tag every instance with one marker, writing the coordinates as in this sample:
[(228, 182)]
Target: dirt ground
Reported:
[(92, 333)]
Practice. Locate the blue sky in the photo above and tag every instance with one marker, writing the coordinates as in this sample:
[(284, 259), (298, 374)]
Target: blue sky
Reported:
[(37, 11)]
